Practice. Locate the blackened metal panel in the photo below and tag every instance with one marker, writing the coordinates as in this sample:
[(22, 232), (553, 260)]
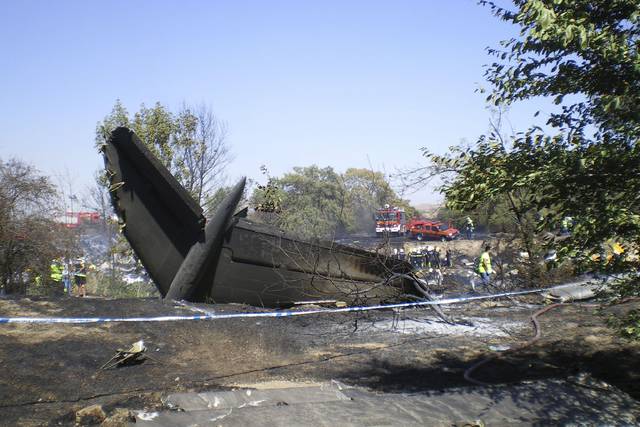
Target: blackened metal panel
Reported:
[(254, 243), (270, 286), (194, 278), (160, 219), (262, 266)]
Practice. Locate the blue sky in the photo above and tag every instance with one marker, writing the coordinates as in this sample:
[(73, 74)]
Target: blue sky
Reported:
[(332, 83)]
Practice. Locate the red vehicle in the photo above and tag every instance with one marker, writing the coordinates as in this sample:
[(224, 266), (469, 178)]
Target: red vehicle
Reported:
[(432, 230), (390, 220), (75, 219)]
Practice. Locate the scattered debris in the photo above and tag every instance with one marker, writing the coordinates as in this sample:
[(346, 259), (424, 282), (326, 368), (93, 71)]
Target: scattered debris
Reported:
[(476, 423), (580, 290), (135, 354), (120, 417), (238, 399), (146, 416), (556, 402), (93, 414), (495, 304), (477, 327), (322, 303), (401, 370)]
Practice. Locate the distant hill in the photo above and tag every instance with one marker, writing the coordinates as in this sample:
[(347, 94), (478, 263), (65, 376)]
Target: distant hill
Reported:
[(428, 210)]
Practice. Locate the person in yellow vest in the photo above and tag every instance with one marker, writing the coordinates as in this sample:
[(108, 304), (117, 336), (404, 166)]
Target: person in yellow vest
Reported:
[(617, 251), (484, 266), (565, 225), (55, 273), (610, 250)]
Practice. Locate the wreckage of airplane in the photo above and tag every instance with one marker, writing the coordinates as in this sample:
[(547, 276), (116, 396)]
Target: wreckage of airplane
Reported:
[(229, 258)]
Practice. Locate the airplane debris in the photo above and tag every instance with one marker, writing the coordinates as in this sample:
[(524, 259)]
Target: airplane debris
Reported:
[(135, 354), (89, 415), (583, 289), (229, 258)]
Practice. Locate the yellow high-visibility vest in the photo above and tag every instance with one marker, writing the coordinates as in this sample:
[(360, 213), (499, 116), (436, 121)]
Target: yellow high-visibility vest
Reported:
[(484, 264), (56, 273)]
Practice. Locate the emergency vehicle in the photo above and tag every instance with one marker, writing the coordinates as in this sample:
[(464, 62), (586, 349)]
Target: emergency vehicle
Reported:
[(74, 219), (391, 220), (431, 230)]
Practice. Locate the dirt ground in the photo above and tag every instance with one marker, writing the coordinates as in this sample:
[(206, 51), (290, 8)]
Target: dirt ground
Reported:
[(50, 371)]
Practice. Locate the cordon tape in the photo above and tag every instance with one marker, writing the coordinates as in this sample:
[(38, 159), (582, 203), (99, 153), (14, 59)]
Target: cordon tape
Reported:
[(217, 316)]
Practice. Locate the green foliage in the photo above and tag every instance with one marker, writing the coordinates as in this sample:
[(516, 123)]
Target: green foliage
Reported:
[(101, 284), (155, 127), (214, 199), (267, 198), (583, 54), (29, 237), (368, 191), (573, 47), (314, 202), (319, 202), (589, 168), (191, 143), (490, 216), (119, 116), (627, 324)]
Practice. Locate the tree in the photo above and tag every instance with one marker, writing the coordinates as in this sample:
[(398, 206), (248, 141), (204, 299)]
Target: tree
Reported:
[(119, 116), (314, 202), (319, 202), (588, 168), (29, 238), (369, 190), (202, 151), (584, 55), (191, 144), (156, 128), (573, 47)]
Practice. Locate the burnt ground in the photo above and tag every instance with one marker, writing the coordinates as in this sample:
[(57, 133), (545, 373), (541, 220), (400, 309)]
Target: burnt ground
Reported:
[(50, 371)]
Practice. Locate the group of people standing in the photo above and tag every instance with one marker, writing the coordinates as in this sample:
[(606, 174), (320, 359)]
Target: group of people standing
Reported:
[(67, 273)]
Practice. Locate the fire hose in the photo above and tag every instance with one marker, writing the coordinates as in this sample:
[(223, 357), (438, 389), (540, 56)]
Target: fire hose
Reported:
[(536, 337)]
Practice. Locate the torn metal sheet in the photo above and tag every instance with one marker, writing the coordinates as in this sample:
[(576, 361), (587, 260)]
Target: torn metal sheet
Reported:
[(244, 398), (584, 289), (229, 258)]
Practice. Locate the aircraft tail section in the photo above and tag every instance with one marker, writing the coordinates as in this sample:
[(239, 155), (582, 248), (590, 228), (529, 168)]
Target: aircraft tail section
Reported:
[(158, 217)]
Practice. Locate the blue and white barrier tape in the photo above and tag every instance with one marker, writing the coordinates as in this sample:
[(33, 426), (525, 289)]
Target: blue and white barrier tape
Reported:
[(212, 316)]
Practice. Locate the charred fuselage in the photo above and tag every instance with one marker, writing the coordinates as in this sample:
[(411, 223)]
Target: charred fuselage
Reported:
[(228, 258)]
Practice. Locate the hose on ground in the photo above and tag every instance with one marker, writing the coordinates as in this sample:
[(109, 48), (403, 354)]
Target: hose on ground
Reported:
[(536, 337)]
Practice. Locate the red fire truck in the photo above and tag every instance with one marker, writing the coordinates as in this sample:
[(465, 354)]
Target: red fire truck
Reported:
[(74, 219), (390, 220)]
